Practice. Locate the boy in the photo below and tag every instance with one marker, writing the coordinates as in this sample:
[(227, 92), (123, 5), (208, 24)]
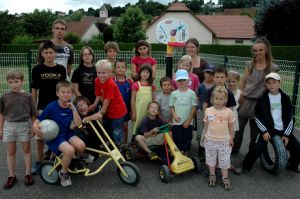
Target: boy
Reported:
[(273, 116), (220, 77), (148, 131), (183, 104), (124, 85), (17, 112), (45, 76), (163, 99), (111, 50), (64, 113), (113, 109)]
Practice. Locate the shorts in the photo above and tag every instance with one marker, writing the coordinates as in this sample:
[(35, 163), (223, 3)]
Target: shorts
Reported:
[(62, 137), (156, 140), (217, 150), (114, 127), (16, 131)]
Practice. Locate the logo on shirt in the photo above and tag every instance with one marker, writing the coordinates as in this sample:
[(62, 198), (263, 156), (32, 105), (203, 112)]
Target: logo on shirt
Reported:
[(67, 49)]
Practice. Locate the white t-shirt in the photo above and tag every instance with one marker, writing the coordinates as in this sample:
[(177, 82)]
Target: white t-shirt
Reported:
[(276, 110)]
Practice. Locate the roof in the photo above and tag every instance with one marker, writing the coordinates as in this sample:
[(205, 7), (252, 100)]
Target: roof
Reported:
[(80, 27), (229, 26), (178, 7)]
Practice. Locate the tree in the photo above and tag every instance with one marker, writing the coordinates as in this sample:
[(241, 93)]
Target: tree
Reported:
[(128, 27), (238, 3), (278, 23), (10, 27), (108, 34), (75, 16), (38, 23), (72, 38), (194, 5)]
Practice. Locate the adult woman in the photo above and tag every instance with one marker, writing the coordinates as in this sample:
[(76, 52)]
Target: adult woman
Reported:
[(192, 49), (252, 87)]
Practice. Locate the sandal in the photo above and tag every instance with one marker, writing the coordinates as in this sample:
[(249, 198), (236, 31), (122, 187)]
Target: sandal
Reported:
[(10, 182), (212, 181), (226, 183), (28, 180)]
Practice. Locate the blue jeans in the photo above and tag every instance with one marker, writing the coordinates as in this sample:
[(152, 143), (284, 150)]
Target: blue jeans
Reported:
[(114, 128)]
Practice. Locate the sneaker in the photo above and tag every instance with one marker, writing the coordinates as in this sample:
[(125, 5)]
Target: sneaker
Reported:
[(28, 180), (153, 156), (10, 182), (36, 168), (65, 179)]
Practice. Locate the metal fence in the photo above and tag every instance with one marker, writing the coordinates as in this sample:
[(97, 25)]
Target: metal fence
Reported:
[(289, 70)]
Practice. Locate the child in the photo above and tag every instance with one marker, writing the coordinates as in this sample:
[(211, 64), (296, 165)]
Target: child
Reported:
[(113, 109), (220, 77), (273, 116), (183, 104), (84, 76), (218, 136), (45, 76), (124, 85), (111, 50), (163, 99), (148, 131), (233, 84), (142, 56), (142, 93), (208, 71), (185, 63), (17, 112), (64, 113)]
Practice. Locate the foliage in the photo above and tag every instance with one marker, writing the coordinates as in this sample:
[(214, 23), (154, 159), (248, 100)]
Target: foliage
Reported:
[(194, 5), (261, 10), (22, 39), (75, 16), (128, 27), (95, 40), (10, 27), (108, 34), (101, 26), (151, 8), (278, 23), (238, 3), (72, 38)]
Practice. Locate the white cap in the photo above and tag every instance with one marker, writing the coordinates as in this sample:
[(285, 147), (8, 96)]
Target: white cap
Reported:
[(273, 76), (181, 74)]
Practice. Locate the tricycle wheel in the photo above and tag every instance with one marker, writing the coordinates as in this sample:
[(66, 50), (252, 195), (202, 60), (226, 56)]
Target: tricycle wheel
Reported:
[(129, 154), (197, 164), (164, 173), (53, 178), (132, 171)]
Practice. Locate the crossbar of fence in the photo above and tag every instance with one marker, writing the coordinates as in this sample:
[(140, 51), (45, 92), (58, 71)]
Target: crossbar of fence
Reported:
[(287, 69)]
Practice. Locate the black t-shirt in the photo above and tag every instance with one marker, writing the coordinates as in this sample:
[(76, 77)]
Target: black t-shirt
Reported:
[(85, 78), (230, 102), (147, 124), (44, 79)]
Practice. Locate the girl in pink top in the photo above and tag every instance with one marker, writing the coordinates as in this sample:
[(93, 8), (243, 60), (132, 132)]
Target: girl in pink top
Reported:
[(185, 63), (142, 56), (219, 134)]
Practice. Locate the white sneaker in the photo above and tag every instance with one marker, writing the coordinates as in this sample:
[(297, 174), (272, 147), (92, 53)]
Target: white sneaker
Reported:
[(65, 179)]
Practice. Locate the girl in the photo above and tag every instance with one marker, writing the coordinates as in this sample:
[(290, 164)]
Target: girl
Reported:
[(142, 56), (192, 49), (84, 76), (233, 80), (142, 92), (218, 136), (252, 87), (185, 63), (124, 85)]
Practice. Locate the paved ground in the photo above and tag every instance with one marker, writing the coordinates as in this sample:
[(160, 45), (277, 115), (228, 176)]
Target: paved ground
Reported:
[(257, 184)]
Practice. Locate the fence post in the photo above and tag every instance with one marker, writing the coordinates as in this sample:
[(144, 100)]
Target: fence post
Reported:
[(295, 89), (225, 61), (29, 64)]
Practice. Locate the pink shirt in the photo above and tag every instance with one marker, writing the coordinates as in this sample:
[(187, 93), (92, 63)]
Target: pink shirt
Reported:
[(139, 61), (193, 84), (218, 121)]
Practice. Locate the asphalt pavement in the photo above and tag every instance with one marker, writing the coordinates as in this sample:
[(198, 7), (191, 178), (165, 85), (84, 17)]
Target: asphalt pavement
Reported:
[(256, 184)]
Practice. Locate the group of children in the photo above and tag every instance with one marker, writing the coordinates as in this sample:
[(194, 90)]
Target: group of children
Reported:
[(215, 101)]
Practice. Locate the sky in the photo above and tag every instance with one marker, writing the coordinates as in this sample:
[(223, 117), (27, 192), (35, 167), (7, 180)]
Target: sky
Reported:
[(25, 6)]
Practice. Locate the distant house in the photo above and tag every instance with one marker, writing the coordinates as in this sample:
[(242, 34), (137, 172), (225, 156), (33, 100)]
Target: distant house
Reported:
[(208, 29), (86, 28)]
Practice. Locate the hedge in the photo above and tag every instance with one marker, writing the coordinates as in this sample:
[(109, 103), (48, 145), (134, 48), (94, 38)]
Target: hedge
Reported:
[(279, 52)]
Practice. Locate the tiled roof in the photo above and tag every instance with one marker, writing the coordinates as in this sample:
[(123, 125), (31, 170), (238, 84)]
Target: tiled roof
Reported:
[(229, 26), (80, 27), (178, 6)]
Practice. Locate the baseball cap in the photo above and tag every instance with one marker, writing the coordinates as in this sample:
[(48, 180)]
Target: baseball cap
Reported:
[(181, 74), (273, 76), (208, 68)]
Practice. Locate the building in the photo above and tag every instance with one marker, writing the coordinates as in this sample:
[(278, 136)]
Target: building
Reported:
[(208, 29)]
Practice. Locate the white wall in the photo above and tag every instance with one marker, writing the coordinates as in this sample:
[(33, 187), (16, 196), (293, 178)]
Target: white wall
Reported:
[(196, 28), (232, 42), (91, 31)]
